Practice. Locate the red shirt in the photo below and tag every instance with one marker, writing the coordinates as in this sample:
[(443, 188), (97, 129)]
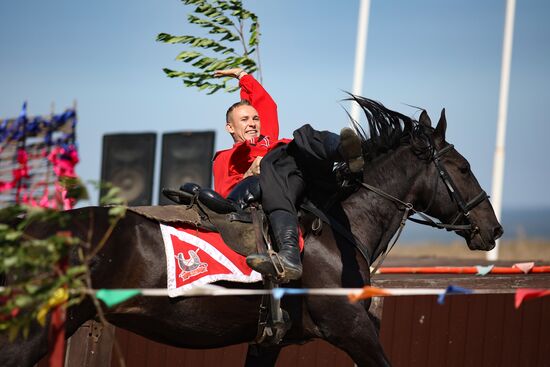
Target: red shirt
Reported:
[(231, 164)]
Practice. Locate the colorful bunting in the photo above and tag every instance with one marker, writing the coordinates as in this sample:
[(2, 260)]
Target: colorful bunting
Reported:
[(278, 293), (452, 289), (484, 270), (525, 267), (366, 293), (529, 293), (112, 297)]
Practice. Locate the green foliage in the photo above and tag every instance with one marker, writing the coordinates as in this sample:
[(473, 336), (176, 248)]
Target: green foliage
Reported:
[(239, 36), (112, 198), (40, 274), (75, 189), (35, 267)]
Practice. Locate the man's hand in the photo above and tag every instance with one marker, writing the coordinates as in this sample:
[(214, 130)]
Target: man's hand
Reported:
[(235, 73), (254, 169)]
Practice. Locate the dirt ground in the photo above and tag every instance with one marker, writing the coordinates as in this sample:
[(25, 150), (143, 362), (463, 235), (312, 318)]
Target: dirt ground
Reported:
[(519, 249)]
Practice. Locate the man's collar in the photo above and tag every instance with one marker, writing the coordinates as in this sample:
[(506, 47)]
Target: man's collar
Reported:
[(252, 141)]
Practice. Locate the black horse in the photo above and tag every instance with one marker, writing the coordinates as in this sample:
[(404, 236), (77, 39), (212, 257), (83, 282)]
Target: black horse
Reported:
[(405, 158)]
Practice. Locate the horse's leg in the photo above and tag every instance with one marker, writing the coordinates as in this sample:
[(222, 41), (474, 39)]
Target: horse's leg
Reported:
[(350, 328), (345, 325), (375, 311), (258, 356)]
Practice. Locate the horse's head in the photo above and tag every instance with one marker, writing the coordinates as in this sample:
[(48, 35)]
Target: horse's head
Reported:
[(451, 193)]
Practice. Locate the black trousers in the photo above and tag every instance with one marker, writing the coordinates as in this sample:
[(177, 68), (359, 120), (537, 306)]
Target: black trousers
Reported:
[(306, 162)]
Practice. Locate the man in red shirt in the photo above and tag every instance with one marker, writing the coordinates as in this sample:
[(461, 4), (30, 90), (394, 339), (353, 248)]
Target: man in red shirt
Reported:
[(254, 127)]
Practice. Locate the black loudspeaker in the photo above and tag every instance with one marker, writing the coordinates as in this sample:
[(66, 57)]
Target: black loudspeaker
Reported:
[(129, 163), (186, 157)]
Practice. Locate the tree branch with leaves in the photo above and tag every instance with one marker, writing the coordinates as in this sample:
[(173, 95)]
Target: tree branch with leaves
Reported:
[(237, 34), (40, 276)]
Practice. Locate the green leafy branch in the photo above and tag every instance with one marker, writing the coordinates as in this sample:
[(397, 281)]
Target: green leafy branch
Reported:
[(239, 36), (40, 276), (35, 267)]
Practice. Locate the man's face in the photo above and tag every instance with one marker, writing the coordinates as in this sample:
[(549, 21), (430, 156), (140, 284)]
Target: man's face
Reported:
[(243, 124)]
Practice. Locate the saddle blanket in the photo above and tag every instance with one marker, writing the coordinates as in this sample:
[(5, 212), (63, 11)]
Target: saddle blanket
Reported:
[(195, 257)]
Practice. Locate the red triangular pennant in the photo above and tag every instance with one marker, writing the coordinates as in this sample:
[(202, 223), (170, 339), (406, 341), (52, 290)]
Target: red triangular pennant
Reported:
[(524, 294)]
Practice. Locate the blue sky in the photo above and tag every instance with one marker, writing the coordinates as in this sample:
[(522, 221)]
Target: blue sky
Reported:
[(432, 54)]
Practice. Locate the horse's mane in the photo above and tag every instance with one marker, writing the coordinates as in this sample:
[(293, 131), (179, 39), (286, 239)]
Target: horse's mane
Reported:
[(388, 130)]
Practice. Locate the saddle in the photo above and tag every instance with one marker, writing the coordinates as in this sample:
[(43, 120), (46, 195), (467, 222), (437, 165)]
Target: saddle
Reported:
[(239, 219), (233, 217), (243, 227)]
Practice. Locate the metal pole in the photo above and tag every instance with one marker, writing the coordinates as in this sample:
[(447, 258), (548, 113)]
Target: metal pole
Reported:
[(360, 51), (498, 163)]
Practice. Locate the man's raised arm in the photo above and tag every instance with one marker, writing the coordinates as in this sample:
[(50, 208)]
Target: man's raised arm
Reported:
[(252, 91)]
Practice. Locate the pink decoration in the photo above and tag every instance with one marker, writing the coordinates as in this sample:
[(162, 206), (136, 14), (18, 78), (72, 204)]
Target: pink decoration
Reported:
[(63, 162), (525, 267)]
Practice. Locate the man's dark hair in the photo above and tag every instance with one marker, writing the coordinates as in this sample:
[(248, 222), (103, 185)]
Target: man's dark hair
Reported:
[(243, 102)]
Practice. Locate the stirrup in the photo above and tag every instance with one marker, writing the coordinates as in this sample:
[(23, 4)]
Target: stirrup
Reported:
[(271, 267), (277, 264), (273, 321)]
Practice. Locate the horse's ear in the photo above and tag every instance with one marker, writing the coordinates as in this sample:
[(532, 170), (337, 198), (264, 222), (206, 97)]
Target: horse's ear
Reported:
[(424, 119), (441, 126)]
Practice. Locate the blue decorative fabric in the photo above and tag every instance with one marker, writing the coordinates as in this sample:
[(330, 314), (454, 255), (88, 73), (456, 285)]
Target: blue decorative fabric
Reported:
[(452, 289)]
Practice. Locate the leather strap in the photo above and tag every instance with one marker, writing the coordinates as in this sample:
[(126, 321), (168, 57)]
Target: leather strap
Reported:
[(344, 232)]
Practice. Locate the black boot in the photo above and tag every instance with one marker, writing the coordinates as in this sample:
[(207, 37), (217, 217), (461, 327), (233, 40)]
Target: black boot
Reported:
[(350, 149), (245, 192), (285, 230), (190, 188), (345, 147), (216, 202)]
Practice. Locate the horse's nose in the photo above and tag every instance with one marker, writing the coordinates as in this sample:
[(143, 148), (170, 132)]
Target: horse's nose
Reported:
[(497, 232)]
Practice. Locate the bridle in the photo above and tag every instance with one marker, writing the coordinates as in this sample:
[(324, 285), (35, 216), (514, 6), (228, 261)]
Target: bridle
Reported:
[(463, 208)]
